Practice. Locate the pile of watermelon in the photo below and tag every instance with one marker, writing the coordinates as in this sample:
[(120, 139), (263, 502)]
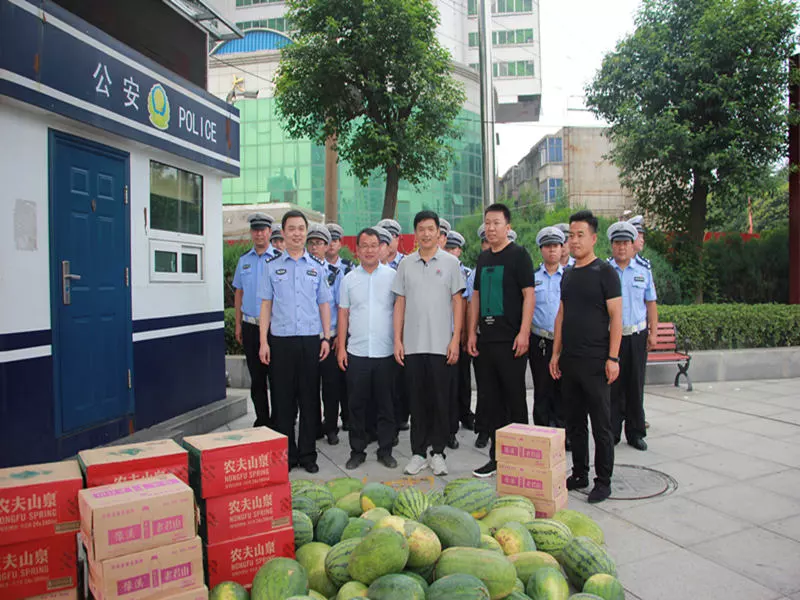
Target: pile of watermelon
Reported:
[(463, 543)]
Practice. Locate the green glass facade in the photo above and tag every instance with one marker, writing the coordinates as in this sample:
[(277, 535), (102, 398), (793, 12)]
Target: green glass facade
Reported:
[(275, 168)]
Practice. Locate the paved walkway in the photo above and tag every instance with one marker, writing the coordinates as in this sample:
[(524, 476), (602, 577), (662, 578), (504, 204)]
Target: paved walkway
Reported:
[(729, 530)]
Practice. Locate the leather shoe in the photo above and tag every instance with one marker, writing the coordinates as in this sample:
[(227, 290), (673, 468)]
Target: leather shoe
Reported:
[(599, 493), (354, 462), (576, 483), (388, 461), (638, 443), (311, 467), (482, 441), (333, 438), (404, 426), (452, 443)]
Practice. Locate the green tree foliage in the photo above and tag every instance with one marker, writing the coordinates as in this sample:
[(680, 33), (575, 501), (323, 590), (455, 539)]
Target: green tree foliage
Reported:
[(372, 75), (696, 99), (770, 205)]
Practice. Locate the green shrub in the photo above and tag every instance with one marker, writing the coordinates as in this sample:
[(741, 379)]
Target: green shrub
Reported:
[(231, 345), (230, 258)]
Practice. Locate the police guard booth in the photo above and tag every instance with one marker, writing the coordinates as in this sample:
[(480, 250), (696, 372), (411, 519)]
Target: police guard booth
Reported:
[(111, 167)]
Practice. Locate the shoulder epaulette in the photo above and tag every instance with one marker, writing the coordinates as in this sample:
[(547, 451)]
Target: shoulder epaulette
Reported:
[(333, 269), (319, 260), (245, 253), (642, 261), (271, 258), (347, 262)]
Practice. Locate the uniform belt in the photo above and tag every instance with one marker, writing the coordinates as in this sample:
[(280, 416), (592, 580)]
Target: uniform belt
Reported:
[(543, 333), (249, 319), (631, 329)]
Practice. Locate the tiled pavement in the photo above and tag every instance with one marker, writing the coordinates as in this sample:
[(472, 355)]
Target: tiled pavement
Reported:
[(730, 530)]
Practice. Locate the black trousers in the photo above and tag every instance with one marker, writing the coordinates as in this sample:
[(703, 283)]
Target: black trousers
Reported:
[(585, 391), (464, 386), (627, 392), (453, 395), (481, 418), (367, 387), (548, 409), (259, 374), (503, 376), (400, 398), (294, 368), (428, 382), (334, 392)]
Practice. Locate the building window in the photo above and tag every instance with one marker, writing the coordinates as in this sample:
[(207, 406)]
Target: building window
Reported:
[(242, 3), (551, 189), (278, 24), (517, 68), (175, 262), (176, 199), (499, 6), (551, 151), (512, 37)]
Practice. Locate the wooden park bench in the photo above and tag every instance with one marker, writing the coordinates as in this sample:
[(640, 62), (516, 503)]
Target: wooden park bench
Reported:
[(666, 352)]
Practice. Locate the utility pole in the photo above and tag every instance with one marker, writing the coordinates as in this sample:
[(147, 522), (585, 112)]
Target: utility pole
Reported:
[(487, 100), (794, 188)]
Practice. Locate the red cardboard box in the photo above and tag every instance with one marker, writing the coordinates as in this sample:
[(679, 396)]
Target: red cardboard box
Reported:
[(246, 513), (537, 484), (38, 501), (152, 573), (115, 464), (62, 595), (239, 560), (530, 445), (122, 518), (37, 567), (545, 509), (234, 461)]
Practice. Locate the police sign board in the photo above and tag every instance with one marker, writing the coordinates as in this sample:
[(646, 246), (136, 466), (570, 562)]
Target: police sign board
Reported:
[(54, 60)]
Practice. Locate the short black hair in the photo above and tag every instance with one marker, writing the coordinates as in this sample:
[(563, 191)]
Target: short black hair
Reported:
[(587, 217), (501, 208), (292, 213), (367, 231), (424, 215)]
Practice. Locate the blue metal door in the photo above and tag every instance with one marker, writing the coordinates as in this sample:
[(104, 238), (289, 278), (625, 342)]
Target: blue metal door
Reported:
[(90, 282)]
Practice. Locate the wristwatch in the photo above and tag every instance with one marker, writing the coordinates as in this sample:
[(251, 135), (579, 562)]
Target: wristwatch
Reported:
[(614, 359), (326, 340)]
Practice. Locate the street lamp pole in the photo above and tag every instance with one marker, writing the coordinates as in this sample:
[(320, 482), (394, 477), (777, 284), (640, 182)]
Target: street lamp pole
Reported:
[(487, 100)]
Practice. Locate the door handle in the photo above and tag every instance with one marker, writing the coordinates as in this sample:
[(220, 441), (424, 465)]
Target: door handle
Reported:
[(66, 278)]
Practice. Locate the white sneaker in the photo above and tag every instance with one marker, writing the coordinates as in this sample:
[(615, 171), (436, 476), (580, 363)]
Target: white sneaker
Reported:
[(438, 465), (416, 465)]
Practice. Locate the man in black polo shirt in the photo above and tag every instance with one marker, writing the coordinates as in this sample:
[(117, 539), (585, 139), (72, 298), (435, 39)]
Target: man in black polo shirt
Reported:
[(588, 332)]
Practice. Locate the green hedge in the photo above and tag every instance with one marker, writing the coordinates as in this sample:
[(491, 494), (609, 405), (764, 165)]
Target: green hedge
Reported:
[(708, 326)]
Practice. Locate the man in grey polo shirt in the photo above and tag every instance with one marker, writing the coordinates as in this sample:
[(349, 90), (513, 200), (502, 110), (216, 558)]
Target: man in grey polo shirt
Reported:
[(428, 317)]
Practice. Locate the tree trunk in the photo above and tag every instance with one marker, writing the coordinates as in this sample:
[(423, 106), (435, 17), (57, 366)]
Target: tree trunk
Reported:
[(331, 181), (390, 196), (697, 226)]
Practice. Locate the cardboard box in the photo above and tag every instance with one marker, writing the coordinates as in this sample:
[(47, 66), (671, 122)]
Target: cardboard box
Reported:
[(545, 509), (122, 518), (239, 560), (62, 595), (246, 513), (530, 446), (200, 593), (115, 464), (149, 573), (38, 501), (234, 461), (537, 484), (37, 567)]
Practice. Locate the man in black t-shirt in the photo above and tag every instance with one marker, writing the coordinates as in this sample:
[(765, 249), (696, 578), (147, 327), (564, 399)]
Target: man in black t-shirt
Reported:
[(502, 306), (588, 333)]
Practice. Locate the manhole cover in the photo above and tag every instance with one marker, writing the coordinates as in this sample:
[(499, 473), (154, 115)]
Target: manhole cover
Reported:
[(632, 482)]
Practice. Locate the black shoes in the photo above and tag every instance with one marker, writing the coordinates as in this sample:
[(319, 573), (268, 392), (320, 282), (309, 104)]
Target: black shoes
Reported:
[(599, 493), (355, 461), (468, 422), (638, 443), (403, 426), (333, 438), (576, 483), (387, 461), (487, 470), (452, 443), (482, 441), (311, 467)]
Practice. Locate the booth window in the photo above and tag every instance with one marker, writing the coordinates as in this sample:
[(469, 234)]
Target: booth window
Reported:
[(176, 199), (172, 261)]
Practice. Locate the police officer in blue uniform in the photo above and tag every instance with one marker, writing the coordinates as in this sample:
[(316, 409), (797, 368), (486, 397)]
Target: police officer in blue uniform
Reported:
[(512, 236), (395, 256), (384, 241), (639, 315), (548, 410), (444, 229), (567, 260), (276, 240), (332, 254), (638, 243), (295, 308), (248, 307)]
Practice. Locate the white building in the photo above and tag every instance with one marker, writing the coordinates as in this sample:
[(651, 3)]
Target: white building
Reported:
[(516, 44), (111, 165)]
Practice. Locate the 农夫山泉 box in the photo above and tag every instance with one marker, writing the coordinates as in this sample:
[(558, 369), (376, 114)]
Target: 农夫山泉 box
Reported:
[(60, 595), (155, 572), (541, 484), (37, 567), (115, 464), (530, 445), (39, 501), (121, 518), (239, 560), (200, 593), (246, 513), (234, 461), (545, 509)]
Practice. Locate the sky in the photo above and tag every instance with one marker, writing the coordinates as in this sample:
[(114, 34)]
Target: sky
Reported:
[(575, 35)]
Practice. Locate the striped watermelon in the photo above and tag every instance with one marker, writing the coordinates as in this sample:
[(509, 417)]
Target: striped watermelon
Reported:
[(396, 586), (453, 526), (514, 500), (300, 484), (337, 559), (318, 493), (583, 596), (459, 586), (341, 486), (331, 525), (303, 529), (351, 504), (498, 517), (435, 497), (606, 586), (475, 497), (582, 558), (550, 535), (357, 527), (378, 495), (528, 563), (308, 506), (312, 557), (580, 525), (514, 538), (350, 590), (489, 543), (547, 584), (279, 578), (410, 503), (456, 483), (380, 552)]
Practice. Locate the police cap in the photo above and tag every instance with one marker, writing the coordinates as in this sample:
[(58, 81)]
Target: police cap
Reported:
[(335, 230), (622, 231), (637, 222), (444, 226), (259, 221), (277, 232), (454, 240), (391, 226), (384, 237), (482, 232), (563, 227), (318, 232), (548, 236), (512, 235)]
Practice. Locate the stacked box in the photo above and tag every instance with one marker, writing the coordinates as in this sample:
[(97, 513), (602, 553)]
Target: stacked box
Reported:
[(532, 462), (115, 464), (140, 539), (39, 520), (241, 479)]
